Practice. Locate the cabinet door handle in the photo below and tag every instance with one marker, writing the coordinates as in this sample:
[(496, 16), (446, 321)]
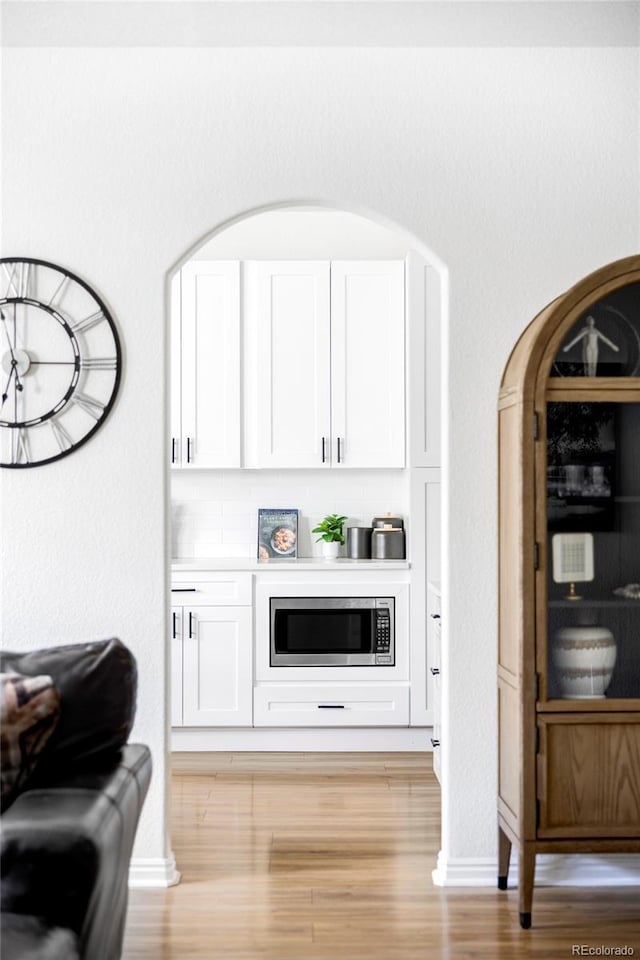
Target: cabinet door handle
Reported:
[(434, 743), (174, 633), (191, 622), (435, 616), (189, 445), (184, 590), (324, 449), (340, 451), (174, 450), (435, 671), (331, 706)]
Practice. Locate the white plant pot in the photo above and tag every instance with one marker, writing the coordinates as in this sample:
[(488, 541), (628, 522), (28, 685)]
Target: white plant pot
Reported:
[(330, 549), (584, 658)]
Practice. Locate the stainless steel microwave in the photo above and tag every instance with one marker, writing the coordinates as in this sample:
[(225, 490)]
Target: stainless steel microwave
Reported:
[(332, 631)]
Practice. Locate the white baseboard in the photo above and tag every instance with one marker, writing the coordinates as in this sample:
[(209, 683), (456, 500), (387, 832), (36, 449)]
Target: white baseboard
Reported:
[(381, 739), (552, 870), (477, 872), (153, 872)]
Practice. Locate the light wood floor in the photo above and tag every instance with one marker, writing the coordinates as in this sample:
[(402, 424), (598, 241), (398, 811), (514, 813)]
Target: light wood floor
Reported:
[(296, 856)]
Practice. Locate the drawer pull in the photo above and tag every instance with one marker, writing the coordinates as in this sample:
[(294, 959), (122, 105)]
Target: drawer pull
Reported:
[(184, 589), (331, 706), (435, 671), (434, 743), (435, 616)]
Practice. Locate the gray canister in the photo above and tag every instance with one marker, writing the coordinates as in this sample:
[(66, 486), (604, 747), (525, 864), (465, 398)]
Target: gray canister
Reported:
[(387, 543), (359, 543)]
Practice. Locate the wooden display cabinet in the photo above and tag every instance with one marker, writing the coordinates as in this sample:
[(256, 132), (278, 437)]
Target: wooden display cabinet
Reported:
[(569, 556)]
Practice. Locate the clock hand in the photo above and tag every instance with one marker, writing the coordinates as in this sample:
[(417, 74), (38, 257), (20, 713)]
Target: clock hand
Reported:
[(4, 321), (14, 362), (5, 395)]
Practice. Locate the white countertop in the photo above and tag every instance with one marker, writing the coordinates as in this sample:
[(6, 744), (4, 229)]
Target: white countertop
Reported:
[(302, 564)]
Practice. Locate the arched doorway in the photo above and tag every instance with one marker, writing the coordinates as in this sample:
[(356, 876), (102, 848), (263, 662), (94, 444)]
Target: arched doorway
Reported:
[(214, 509)]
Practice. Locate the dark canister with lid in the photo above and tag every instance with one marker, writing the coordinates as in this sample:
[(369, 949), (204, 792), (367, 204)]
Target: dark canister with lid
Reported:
[(387, 538), (387, 543), (359, 543)]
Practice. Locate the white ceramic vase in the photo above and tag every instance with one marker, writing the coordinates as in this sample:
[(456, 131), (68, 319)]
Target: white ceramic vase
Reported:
[(330, 549), (584, 658)]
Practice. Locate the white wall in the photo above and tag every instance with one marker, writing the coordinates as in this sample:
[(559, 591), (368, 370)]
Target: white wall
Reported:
[(517, 166)]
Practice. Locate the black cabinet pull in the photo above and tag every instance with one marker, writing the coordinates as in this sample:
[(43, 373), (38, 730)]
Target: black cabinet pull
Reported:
[(435, 616), (189, 443), (175, 624), (434, 743), (174, 445), (191, 619), (331, 706), (183, 589), (435, 671)]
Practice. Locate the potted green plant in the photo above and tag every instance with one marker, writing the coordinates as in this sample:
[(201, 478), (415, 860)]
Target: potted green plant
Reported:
[(331, 536)]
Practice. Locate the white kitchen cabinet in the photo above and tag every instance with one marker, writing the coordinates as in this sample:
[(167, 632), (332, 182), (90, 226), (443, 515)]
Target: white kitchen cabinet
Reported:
[(331, 705), (205, 365), (212, 650), (290, 381), (425, 296), (325, 366), (176, 666), (367, 364), (436, 672), (217, 659)]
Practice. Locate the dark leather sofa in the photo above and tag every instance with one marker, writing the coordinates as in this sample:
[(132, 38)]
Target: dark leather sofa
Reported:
[(67, 836)]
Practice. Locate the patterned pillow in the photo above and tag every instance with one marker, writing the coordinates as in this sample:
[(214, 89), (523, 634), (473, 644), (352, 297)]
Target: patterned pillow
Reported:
[(29, 712)]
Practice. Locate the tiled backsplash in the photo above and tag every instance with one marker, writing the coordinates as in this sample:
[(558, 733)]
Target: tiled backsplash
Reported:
[(215, 513)]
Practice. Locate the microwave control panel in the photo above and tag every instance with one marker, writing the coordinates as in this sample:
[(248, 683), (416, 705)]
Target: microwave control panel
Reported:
[(384, 640)]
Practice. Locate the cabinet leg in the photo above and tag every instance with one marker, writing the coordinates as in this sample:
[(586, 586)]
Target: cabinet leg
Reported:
[(527, 869), (504, 858)]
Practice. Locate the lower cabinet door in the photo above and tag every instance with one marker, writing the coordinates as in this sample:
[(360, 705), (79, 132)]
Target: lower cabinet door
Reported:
[(176, 666), (331, 705), (217, 665), (589, 775), (437, 702)]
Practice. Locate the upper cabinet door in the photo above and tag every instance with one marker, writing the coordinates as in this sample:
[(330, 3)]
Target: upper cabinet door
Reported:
[(176, 370), (210, 368), (291, 367), (368, 363)]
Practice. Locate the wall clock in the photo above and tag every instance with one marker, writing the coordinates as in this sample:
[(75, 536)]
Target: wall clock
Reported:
[(60, 362)]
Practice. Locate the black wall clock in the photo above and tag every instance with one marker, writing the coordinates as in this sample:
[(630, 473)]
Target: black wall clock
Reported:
[(60, 362)]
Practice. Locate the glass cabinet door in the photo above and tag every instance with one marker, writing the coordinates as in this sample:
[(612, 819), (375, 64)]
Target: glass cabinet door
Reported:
[(593, 506)]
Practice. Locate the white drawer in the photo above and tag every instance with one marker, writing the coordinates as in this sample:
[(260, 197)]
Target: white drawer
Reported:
[(212, 589), (331, 705)]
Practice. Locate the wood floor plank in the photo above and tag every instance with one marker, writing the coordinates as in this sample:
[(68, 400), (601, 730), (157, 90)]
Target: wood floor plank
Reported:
[(313, 856)]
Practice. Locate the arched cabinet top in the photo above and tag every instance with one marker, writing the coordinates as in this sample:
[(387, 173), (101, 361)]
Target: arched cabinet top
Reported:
[(530, 366)]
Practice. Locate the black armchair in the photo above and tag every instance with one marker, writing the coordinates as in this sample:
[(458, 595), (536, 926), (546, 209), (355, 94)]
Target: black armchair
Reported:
[(68, 834)]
